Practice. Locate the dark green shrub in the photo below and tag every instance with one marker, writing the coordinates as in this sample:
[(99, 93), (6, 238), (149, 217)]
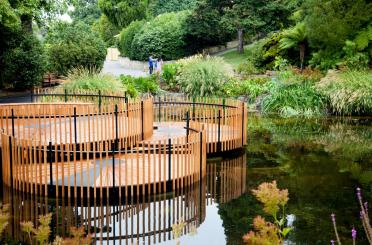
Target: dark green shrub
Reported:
[(106, 30), (127, 36), (165, 6), (74, 45), (163, 36), (22, 65)]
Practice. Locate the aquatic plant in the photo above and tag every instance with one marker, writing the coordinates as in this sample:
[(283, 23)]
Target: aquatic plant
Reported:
[(42, 233), (274, 201), (363, 216)]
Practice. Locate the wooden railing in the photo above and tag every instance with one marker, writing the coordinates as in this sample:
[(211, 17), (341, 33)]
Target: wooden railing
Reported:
[(224, 120), (78, 123), (106, 168)]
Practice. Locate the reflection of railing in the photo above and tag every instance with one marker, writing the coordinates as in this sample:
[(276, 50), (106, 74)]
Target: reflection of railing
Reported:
[(132, 221), (224, 120), (226, 180)]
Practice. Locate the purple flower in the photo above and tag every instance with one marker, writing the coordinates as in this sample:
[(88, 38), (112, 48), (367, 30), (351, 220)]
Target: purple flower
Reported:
[(332, 242), (361, 214), (359, 195), (333, 216), (353, 233), (366, 206)]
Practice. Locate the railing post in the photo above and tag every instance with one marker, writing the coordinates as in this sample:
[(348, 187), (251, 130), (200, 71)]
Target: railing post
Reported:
[(75, 126), (169, 185), (50, 169), (32, 95), (142, 117), (116, 128), (201, 177), (193, 108), (11, 161), (219, 131), (65, 95), (113, 166), (159, 108), (243, 112), (187, 125), (99, 100), (13, 128)]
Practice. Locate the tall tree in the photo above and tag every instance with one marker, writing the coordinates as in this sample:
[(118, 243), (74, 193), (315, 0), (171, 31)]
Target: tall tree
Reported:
[(122, 12), (254, 17), (295, 38), (86, 11), (203, 25), (329, 23)]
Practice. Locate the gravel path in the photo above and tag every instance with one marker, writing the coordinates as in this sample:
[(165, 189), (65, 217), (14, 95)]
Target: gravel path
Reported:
[(114, 68)]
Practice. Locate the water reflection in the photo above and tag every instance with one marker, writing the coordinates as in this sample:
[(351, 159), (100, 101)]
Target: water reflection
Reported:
[(133, 220)]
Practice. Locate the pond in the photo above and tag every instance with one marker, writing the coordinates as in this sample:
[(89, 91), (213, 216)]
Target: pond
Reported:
[(320, 161)]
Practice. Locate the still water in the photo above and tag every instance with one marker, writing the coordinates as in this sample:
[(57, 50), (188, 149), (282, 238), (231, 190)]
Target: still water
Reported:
[(320, 162)]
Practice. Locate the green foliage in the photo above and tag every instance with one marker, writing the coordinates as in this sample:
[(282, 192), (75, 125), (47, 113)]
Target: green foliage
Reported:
[(330, 23), (127, 36), (203, 76), (86, 11), (292, 95), (169, 73), (137, 85), (161, 37), (353, 59), (122, 12), (203, 26), (348, 92), (92, 80), (74, 45), (247, 68), (165, 6), (251, 88), (22, 60), (106, 30), (8, 15)]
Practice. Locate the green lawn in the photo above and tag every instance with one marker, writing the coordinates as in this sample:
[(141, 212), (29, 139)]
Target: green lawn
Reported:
[(234, 58)]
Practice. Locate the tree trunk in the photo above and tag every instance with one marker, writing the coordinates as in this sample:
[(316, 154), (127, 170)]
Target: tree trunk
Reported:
[(302, 47), (240, 41)]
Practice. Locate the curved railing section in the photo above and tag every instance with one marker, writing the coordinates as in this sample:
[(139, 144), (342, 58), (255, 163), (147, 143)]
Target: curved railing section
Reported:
[(225, 120), (79, 123), (105, 169)]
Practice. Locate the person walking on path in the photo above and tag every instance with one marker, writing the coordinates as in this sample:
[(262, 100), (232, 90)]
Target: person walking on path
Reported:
[(159, 65), (151, 65)]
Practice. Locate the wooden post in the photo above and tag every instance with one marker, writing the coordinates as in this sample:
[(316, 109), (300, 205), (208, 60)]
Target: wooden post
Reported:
[(65, 95), (13, 122), (187, 125), (75, 126), (32, 95), (169, 185), (243, 111), (219, 131), (50, 169), (11, 162), (142, 123), (99, 100), (159, 108), (201, 177)]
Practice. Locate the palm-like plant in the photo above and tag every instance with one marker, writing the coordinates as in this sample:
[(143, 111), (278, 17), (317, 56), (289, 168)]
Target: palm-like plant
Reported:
[(295, 37)]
